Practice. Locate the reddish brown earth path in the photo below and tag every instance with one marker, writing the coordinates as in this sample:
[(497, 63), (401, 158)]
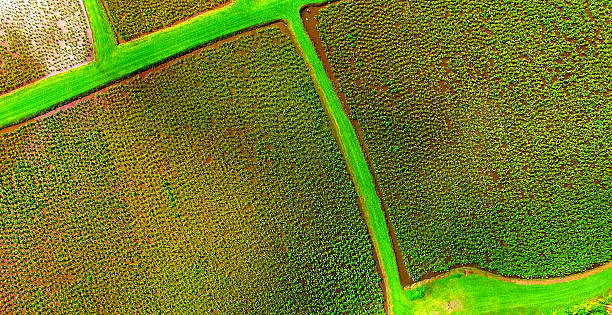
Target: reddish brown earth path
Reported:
[(309, 15), (310, 21), (472, 270)]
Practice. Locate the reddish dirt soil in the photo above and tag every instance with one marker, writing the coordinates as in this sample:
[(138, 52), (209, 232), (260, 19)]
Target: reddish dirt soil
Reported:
[(474, 269), (119, 39), (15, 127)]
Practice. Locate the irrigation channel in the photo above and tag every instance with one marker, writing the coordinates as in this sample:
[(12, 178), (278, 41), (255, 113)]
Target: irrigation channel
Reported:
[(459, 290)]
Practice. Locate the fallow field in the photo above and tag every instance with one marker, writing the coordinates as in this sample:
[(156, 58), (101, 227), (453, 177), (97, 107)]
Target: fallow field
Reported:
[(41, 38)]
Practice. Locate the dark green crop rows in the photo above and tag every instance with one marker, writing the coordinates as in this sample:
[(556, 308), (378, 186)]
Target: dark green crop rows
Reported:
[(134, 18), (489, 127), (212, 185), (18, 66)]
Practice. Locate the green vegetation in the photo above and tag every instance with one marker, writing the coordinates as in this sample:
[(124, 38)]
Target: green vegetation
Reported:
[(478, 294), (116, 61), (489, 128), (17, 65), (373, 214), (153, 265), (134, 18), (40, 38), (212, 184)]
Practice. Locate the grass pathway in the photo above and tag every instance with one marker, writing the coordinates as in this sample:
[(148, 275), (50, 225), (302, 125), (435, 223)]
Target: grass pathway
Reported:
[(476, 293), (114, 62), (358, 167), (481, 293)]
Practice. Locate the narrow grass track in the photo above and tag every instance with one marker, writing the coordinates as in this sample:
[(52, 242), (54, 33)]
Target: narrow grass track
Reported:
[(478, 292), (481, 293), (358, 167)]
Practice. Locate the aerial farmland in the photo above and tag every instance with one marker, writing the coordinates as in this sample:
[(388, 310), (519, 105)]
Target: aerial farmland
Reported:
[(40, 38), (295, 157)]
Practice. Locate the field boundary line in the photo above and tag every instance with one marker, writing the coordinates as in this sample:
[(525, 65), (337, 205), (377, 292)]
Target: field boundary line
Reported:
[(121, 41), (467, 270), (354, 158), (113, 62)]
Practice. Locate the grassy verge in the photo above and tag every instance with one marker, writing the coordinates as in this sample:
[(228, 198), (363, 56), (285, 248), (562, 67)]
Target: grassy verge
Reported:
[(43, 95), (114, 61), (467, 294), (364, 184), (478, 294)]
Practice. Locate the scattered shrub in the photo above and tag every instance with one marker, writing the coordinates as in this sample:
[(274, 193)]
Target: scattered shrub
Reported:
[(416, 293)]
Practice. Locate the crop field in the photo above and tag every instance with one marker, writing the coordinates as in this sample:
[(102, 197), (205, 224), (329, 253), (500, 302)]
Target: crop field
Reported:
[(40, 38), (489, 128), (133, 18), (210, 184), (288, 157)]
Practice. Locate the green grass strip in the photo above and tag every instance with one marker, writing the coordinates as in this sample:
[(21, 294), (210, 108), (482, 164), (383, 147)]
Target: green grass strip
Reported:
[(116, 61), (473, 294), (468, 294), (349, 144), (479, 294)]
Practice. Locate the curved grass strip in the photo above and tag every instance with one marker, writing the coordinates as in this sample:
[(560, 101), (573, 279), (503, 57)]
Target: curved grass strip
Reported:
[(586, 288), (360, 173), (112, 62), (480, 294), (490, 149)]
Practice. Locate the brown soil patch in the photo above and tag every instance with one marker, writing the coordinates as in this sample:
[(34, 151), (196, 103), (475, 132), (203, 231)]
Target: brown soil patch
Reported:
[(61, 24), (494, 176), (15, 127), (453, 306)]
